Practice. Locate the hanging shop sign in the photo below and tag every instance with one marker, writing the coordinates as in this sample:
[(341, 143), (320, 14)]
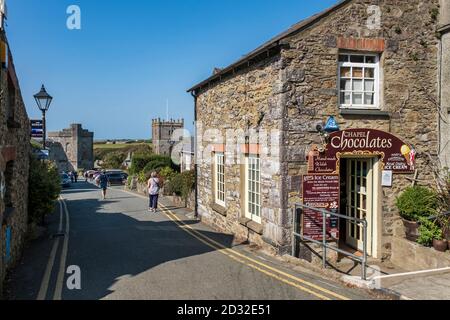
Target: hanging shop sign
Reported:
[(37, 129), (320, 192), (396, 155)]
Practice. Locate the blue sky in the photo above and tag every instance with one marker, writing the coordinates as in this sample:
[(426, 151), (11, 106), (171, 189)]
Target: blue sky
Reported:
[(117, 72)]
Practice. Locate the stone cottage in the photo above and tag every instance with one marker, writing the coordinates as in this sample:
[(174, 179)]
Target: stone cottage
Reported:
[(357, 96), (72, 149), (14, 162)]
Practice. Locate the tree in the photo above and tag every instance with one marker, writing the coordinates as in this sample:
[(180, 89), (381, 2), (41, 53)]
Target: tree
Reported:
[(44, 189)]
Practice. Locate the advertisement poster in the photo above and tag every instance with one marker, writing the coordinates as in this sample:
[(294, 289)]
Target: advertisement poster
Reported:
[(321, 192)]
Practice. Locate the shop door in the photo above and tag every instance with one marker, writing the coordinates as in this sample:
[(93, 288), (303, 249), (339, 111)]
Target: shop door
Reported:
[(359, 201)]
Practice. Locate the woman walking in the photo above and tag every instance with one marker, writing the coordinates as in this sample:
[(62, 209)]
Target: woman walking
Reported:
[(153, 191)]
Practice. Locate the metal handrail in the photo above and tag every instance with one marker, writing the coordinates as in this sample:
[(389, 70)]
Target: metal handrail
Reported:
[(325, 215)]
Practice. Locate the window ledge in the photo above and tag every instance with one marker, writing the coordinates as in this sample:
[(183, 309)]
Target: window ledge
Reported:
[(364, 112), (252, 225), (219, 209)]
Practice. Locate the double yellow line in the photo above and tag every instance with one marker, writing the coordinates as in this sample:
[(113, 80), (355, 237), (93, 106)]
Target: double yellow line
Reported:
[(52, 259), (303, 285), (279, 275)]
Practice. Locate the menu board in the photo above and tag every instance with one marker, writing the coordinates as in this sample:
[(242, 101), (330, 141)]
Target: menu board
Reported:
[(321, 192)]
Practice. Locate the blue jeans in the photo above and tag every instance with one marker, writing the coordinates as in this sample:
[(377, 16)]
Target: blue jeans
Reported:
[(154, 201)]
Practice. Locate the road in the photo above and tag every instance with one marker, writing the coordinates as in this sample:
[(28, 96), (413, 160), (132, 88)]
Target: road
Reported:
[(125, 252)]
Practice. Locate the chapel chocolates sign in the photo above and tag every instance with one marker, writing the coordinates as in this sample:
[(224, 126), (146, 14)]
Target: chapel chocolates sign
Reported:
[(320, 192), (395, 155)]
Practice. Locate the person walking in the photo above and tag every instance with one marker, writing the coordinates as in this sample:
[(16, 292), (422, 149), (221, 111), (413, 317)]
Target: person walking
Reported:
[(154, 186), (103, 183), (75, 175), (72, 179)]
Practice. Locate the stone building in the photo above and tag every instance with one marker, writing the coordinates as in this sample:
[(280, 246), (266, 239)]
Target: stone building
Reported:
[(162, 135), (444, 29), (350, 93), (187, 155), (14, 162), (72, 149)]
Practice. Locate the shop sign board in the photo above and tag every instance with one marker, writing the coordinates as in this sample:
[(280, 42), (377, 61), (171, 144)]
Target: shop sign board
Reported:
[(396, 155), (37, 129), (320, 191)]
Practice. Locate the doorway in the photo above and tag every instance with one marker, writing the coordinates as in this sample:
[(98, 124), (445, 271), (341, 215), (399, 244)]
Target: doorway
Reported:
[(360, 193)]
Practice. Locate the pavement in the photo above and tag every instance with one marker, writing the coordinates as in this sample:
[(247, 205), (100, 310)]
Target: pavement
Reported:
[(116, 250)]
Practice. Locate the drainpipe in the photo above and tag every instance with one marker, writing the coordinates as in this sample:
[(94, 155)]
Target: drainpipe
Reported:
[(195, 96)]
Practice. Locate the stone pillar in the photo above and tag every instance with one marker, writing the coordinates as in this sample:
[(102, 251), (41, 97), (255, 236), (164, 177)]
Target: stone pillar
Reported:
[(444, 23)]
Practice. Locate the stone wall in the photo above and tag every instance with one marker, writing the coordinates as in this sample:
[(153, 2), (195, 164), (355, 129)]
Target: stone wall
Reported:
[(249, 99), (409, 69), (445, 82), (14, 165), (72, 149), (295, 90)]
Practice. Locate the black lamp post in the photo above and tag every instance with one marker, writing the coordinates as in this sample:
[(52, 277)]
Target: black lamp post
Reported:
[(43, 100)]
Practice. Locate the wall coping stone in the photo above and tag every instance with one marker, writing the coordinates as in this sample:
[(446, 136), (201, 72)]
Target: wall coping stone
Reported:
[(256, 227), (219, 209)]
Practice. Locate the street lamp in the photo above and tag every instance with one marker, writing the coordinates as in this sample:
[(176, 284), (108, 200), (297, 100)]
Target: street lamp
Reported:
[(43, 101)]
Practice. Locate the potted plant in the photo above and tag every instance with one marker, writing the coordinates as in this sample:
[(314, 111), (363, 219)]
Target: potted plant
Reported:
[(431, 235), (414, 204), (444, 221), (439, 243)]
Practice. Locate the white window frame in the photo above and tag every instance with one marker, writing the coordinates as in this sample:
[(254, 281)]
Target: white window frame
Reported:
[(253, 188), (219, 178), (364, 65)]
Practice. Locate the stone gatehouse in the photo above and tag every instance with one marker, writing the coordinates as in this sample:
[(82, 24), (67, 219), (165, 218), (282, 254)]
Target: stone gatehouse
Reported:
[(72, 149), (369, 66), (14, 163)]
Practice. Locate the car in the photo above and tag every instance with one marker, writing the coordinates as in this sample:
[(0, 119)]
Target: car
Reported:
[(65, 180), (117, 178)]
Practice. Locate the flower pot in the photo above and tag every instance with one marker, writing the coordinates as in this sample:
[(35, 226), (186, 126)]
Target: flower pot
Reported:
[(412, 230), (440, 245)]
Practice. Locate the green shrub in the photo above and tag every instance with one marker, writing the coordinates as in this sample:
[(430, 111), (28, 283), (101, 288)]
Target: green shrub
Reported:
[(150, 162), (181, 184), (113, 160), (142, 177), (417, 202), (44, 189), (167, 173), (157, 165), (429, 231), (174, 185), (139, 162)]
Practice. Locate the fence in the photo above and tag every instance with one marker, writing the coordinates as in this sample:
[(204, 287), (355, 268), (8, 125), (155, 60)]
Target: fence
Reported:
[(324, 243)]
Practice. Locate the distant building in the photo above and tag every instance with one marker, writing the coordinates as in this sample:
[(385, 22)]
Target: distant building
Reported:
[(72, 149), (187, 156), (162, 133)]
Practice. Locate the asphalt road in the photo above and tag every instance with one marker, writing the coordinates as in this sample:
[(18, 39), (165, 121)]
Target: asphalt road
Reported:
[(124, 252)]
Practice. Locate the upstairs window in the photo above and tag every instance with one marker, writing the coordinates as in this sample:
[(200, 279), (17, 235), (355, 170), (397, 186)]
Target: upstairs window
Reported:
[(359, 81)]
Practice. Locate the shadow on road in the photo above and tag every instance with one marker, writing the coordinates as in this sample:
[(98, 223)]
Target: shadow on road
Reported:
[(113, 239)]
